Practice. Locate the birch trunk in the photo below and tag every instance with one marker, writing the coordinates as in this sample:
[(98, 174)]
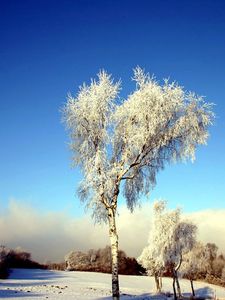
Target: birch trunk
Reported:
[(157, 283), (114, 253), (160, 283), (178, 287), (176, 277)]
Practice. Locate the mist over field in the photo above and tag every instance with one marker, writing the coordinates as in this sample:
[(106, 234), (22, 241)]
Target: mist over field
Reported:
[(49, 236)]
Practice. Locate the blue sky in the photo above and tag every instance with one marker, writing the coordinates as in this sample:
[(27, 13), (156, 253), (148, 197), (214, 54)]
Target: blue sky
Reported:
[(48, 48)]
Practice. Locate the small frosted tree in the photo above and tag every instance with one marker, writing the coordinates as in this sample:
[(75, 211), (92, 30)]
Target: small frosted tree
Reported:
[(169, 239), (122, 144), (152, 257), (154, 267), (183, 240), (195, 263)]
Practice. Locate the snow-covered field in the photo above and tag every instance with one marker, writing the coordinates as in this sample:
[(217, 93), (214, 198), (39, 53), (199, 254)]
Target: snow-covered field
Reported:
[(42, 284)]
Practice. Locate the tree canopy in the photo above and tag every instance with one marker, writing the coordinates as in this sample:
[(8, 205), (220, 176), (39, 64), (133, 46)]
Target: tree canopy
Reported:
[(130, 140)]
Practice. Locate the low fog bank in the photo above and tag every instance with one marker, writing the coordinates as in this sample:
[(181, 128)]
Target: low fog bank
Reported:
[(50, 236)]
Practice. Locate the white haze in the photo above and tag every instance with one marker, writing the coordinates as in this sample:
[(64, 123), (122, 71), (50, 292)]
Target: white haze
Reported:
[(49, 236)]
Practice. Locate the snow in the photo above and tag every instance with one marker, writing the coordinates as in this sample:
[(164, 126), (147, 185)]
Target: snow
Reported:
[(43, 284)]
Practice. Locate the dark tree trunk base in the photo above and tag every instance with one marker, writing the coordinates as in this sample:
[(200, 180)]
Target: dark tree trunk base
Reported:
[(192, 288), (174, 289)]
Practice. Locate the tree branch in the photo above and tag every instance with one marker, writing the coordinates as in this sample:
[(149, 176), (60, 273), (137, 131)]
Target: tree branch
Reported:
[(127, 177)]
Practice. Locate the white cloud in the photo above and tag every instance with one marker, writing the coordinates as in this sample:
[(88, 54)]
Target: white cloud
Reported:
[(211, 226), (50, 236)]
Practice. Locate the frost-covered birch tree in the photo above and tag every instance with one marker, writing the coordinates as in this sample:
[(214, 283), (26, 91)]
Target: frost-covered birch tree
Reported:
[(154, 266), (195, 262), (169, 239), (184, 238), (120, 145), (152, 256)]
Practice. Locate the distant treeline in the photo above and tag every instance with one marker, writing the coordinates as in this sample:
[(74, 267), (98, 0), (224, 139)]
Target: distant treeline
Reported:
[(216, 271), (100, 261), (94, 261), (16, 258)]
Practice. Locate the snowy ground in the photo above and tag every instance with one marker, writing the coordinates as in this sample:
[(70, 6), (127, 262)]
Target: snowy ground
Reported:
[(42, 284)]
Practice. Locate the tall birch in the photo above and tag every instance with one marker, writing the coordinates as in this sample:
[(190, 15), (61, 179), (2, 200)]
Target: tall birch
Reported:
[(120, 145)]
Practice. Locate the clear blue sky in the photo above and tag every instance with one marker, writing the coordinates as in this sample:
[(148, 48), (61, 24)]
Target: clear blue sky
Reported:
[(48, 48)]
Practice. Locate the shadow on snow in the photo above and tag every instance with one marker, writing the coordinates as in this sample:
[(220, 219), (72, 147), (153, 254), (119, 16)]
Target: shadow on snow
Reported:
[(16, 294), (201, 294), (34, 274), (32, 277)]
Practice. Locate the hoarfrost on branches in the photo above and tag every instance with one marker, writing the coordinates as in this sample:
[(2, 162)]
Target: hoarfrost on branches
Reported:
[(195, 261), (131, 140)]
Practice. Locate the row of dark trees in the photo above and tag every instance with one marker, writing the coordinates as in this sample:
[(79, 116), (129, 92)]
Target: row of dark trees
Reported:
[(16, 258), (93, 260)]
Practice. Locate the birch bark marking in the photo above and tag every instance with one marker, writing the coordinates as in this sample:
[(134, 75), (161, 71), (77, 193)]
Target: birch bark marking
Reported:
[(114, 253)]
